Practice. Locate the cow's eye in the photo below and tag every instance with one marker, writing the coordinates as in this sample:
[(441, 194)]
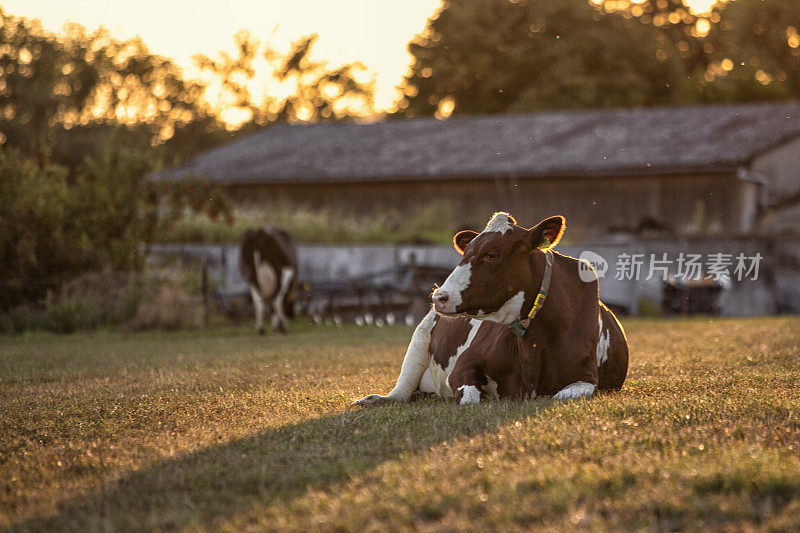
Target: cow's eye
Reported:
[(491, 256)]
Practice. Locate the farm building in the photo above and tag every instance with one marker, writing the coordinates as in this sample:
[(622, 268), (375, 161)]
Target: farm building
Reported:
[(713, 170)]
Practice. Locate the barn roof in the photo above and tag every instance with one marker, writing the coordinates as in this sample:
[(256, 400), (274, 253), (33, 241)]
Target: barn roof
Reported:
[(566, 143)]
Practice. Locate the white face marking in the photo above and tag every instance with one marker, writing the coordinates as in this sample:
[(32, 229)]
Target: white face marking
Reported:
[(579, 389), (500, 223), (453, 286), (508, 312), (603, 343), (470, 394), (441, 376)]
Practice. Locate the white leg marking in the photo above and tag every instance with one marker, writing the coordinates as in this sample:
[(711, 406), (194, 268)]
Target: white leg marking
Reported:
[(414, 364), (279, 316), (491, 389), (426, 383), (266, 281), (454, 285), (258, 304), (508, 312), (441, 377), (603, 343), (469, 394), (579, 389)]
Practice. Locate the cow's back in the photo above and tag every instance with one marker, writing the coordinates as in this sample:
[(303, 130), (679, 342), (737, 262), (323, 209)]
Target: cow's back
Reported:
[(274, 247)]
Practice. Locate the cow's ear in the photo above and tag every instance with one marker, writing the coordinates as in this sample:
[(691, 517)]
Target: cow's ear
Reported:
[(462, 239), (547, 233)]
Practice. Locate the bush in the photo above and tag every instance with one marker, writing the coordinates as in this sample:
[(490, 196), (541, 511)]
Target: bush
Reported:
[(21, 318), (168, 302), (53, 227), (86, 302), (39, 244), (167, 298), (70, 314)]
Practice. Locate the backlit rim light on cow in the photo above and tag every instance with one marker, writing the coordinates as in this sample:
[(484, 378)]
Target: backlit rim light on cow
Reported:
[(603, 343), (482, 352), (501, 222)]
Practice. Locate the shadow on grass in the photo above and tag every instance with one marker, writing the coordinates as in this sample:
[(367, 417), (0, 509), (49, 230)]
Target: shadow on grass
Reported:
[(217, 482)]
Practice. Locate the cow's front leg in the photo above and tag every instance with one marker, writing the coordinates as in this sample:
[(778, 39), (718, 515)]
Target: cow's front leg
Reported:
[(467, 385), (579, 389), (414, 365)]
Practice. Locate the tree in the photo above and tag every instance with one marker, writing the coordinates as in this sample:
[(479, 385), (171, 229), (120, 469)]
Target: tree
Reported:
[(56, 88), (723, 50), (485, 56), (311, 90), (762, 41), (42, 79), (86, 118)]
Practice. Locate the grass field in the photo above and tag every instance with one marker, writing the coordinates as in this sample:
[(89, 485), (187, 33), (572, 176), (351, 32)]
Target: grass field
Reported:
[(220, 429)]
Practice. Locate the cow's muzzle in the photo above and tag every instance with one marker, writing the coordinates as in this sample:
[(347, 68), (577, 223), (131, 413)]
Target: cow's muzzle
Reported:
[(442, 302)]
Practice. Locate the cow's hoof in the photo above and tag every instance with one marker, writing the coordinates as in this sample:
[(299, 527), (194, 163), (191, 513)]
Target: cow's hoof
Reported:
[(372, 399), (261, 331), (469, 395), (279, 329)]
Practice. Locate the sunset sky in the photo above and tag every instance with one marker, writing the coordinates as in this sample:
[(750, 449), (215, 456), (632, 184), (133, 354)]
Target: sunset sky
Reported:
[(374, 32)]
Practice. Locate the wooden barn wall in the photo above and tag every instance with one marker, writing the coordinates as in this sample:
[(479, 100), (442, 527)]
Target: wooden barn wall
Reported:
[(712, 203)]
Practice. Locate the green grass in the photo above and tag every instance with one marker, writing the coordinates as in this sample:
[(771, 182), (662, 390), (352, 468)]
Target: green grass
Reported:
[(321, 225), (219, 429)]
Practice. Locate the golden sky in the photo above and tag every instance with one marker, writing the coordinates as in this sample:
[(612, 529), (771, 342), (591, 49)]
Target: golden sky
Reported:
[(374, 32)]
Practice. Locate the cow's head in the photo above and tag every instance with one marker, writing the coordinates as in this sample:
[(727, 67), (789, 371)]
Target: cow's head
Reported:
[(495, 276)]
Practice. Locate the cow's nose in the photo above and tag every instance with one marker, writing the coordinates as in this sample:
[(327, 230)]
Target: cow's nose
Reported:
[(441, 297)]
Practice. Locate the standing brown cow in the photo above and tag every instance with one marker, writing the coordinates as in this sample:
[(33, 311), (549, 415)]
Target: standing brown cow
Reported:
[(513, 320), (268, 263)]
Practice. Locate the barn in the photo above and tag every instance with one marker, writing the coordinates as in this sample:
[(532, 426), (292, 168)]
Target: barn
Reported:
[(700, 170)]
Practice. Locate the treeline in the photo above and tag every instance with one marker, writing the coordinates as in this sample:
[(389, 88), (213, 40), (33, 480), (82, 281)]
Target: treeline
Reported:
[(489, 56), (86, 117)]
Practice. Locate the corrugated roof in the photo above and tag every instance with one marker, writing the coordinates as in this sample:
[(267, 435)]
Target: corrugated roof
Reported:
[(592, 142)]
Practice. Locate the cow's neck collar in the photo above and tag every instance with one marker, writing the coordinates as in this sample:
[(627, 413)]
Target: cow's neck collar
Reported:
[(520, 326)]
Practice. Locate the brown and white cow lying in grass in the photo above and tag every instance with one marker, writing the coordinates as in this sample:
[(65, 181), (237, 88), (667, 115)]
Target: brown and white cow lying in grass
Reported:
[(513, 320)]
